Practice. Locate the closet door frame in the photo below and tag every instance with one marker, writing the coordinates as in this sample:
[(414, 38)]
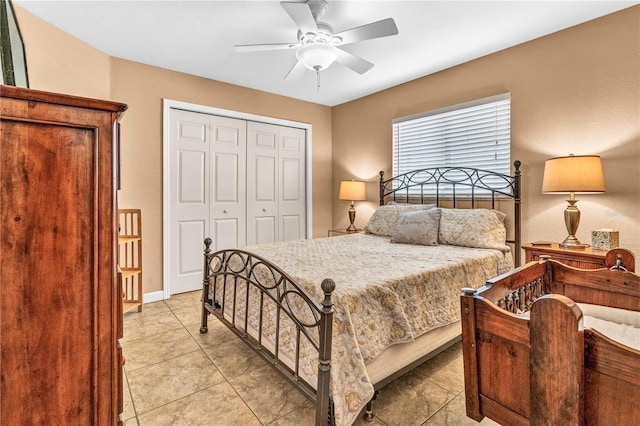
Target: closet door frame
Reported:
[(169, 104)]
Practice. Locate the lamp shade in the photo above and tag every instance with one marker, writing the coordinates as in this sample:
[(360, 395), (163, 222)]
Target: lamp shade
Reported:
[(317, 56), (352, 190), (575, 173)]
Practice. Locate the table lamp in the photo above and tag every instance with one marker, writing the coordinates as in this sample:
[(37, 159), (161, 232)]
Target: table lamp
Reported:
[(568, 175), (352, 190)]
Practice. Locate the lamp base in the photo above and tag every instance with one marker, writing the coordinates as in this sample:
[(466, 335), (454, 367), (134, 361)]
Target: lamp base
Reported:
[(571, 220), (571, 242), (352, 218), (352, 228)]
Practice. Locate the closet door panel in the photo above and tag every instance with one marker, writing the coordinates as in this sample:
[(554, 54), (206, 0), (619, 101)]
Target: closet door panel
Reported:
[(227, 208), (262, 178), (225, 233), (290, 226), (228, 183), (189, 186), (188, 232), (291, 202), (264, 230)]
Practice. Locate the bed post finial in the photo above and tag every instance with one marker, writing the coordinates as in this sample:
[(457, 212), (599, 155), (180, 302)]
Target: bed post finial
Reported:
[(328, 286), (324, 361), (207, 245)]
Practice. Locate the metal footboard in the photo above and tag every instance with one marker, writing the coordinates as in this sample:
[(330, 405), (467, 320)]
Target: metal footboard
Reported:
[(244, 291)]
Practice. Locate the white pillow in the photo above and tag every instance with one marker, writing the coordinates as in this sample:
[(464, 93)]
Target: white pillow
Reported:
[(384, 220), (481, 228), (417, 227)]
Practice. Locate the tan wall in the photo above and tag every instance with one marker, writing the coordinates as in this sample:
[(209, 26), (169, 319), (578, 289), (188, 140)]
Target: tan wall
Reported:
[(58, 62), (576, 91)]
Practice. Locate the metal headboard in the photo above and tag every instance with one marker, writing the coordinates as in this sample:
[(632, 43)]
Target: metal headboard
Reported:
[(461, 184)]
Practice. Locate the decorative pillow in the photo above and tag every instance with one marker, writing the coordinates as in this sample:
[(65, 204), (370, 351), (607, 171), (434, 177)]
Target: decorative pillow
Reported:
[(481, 228), (384, 220), (417, 227)]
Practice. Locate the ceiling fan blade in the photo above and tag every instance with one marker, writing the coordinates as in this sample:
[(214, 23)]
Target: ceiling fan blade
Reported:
[(383, 28), (296, 71), (260, 47), (301, 15), (354, 62)]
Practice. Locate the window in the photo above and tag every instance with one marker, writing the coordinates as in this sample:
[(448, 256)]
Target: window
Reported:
[(473, 134)]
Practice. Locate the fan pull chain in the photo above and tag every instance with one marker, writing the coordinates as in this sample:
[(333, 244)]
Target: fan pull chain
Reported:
[(317, 68)]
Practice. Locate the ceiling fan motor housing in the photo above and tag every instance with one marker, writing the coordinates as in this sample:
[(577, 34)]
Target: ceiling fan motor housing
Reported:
[(324, 35), (318, 8)]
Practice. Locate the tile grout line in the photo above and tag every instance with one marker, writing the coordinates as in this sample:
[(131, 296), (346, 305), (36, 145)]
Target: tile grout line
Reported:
[(441, 408)]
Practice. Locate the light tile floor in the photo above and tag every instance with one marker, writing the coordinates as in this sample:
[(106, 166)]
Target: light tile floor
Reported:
[(176, 376)]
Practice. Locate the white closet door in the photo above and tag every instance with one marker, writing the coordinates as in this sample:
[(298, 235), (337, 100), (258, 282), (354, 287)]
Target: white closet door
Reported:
[(262, 178), (189, 194), (238, 182), (291, 200), (228, 182)]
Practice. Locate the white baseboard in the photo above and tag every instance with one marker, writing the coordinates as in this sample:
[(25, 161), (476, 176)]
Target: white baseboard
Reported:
[(156, 296)]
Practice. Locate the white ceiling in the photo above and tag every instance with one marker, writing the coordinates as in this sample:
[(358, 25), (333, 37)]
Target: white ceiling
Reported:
[(197, 37)]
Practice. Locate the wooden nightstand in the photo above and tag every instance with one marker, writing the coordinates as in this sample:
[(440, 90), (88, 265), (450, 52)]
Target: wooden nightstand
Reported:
[(334, 232), (585, 259)]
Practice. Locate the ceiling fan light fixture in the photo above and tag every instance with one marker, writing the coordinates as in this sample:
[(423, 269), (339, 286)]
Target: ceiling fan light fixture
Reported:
[(317, 56), (317, 48)]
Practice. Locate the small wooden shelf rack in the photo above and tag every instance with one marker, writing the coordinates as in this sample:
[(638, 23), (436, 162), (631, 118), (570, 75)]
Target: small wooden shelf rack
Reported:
[(130, 258)]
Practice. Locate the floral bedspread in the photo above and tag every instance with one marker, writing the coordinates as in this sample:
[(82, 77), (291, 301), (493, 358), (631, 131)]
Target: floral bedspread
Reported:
[(385, 294)]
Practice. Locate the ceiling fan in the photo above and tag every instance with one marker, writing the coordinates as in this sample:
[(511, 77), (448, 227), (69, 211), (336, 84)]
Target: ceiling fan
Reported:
[(317, 47)]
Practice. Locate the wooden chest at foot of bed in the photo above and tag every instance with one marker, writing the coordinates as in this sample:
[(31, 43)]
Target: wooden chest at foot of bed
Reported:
[(532, 356)]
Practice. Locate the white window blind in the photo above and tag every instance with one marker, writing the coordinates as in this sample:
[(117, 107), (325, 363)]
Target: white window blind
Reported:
[(475, 134)]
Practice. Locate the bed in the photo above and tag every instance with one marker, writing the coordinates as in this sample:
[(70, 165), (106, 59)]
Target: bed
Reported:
[(340, 333), (551, 344)]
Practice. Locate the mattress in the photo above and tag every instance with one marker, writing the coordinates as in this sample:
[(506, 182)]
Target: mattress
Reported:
[(621, 325)]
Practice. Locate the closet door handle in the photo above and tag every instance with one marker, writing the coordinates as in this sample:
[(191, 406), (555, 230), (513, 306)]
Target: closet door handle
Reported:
[(264, 210), (224, 211)]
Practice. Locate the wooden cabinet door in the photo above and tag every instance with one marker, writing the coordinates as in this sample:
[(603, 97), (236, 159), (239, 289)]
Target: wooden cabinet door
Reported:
[(48, 321), (59, 301)]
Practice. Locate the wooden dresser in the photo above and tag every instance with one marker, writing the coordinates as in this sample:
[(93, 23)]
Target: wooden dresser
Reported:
[(61, 305)]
